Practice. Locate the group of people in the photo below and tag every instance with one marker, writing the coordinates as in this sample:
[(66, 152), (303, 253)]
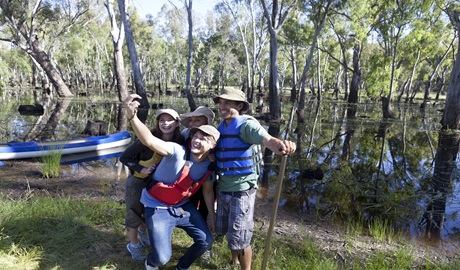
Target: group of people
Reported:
[(174, 174)]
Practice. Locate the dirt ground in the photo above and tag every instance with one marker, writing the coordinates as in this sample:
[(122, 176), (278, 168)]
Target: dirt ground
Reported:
[(21, 179)]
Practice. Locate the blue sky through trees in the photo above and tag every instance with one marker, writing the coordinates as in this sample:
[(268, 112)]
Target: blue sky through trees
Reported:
[(152, 7)]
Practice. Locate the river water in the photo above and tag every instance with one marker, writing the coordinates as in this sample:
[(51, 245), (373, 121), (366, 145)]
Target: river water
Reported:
[(375, 170)]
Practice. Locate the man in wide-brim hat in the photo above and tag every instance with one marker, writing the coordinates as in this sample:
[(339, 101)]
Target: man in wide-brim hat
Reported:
[(238, 171), (233, 94)]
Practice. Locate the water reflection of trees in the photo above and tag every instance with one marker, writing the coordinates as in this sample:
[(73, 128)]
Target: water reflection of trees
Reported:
[(386, 176), (62, 119), (440, 185), (377, 171)]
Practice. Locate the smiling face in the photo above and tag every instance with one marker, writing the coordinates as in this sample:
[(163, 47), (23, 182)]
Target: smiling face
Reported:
[(167, 124), (229, 109), (196, 121), (201, 143)]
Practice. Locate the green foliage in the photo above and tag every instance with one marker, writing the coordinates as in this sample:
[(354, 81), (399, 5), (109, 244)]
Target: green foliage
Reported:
[(383, 261), (14, 65), (378, 75), (51, 163), (44, 232), (82, 48), (381, 230), (354, 227)]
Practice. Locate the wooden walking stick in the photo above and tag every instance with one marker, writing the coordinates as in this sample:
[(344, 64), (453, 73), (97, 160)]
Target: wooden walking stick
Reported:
[(279, 185)]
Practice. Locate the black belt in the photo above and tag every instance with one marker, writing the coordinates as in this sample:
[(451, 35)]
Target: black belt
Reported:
[(241, 193)]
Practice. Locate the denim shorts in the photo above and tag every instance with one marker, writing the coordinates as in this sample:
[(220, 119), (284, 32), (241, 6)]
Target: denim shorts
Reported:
[(235, 217)]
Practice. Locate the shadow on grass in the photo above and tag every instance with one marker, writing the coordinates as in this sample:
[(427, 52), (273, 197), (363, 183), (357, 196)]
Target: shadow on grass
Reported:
[(45, 233), (61, 233)]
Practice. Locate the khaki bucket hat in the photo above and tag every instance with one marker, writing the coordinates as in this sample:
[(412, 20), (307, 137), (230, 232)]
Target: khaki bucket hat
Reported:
[(200, 111), (231, 93), (171, 112), (207, 129)]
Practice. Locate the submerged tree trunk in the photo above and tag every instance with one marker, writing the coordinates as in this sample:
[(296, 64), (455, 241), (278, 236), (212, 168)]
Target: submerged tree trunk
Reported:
[(275, 21), (446, 155), (356, 77), (447, 151), (387, 109)]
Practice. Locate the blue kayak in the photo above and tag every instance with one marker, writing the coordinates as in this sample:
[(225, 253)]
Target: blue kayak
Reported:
[(93, 155), (24, 150)]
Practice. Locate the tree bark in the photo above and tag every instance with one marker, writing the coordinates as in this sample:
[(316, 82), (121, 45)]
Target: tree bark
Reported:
[(138, 81), (118, 37), (356, 77), (274, 24), (451, 115), (448, 147), (294, 73), (191, 101), (42, 58)]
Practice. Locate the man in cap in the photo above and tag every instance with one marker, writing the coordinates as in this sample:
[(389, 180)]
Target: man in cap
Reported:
[(200, 116), (238, 171), (166, 205)]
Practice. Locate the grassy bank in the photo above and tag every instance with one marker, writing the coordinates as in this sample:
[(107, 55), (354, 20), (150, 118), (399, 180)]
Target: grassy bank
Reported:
[(41, 232)]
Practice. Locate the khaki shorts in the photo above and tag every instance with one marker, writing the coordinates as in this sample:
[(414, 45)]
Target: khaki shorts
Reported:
[(235, 217), (134, 207)]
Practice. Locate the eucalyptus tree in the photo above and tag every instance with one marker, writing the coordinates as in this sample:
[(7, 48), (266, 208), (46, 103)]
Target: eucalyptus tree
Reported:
[(245, 16), (275, 20), (118, 36), (138, 80), (423, 53), (82, 55), (188, 6), (393, 21), (296, 36), (35, 27), (437, 44), (14, 66), (413, 46), (172, 30), (204, 48), (319, 13), (225, 67), (351, 24), (205, 62), (153, 60), (449, 138)]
